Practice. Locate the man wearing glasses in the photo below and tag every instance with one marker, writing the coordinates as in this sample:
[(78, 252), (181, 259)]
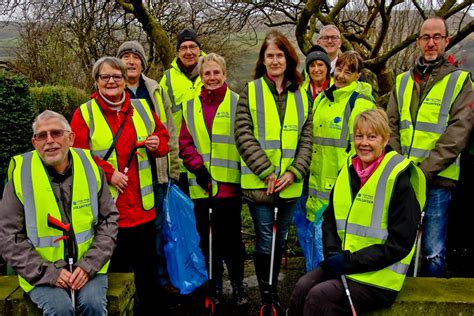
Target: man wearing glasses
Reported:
[(330, 39), (430, 114), (59, 222), (182, 81)]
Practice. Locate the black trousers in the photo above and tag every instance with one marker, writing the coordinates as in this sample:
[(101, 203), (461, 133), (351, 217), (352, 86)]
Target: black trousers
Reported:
[(135, 253), (321, 293), (227, 243)]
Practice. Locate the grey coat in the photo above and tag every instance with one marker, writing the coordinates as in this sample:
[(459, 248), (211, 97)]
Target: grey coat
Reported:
[(456, 136), (162, 163), (18, 251)]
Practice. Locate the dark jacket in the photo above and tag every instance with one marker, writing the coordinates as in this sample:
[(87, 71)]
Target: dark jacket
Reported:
[(403, 217), (456, 136), (21, 255), (250, 149)]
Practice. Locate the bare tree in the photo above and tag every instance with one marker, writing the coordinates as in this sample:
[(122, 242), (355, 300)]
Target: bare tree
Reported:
[(380, 30)]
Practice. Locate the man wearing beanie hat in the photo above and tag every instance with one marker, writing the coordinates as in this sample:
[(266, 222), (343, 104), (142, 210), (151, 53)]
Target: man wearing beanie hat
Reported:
[(141, 87), (317, 67), (181, 82)]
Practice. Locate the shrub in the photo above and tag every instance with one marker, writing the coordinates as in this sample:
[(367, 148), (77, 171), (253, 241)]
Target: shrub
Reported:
[(60, 99), (17, 113)]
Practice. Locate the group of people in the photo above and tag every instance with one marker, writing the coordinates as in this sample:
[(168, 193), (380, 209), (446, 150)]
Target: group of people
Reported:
[(90, 196)]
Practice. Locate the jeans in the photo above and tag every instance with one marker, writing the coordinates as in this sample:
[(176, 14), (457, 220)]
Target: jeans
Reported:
[(435, 225), (262, 216), (161, 270), (90, 300)]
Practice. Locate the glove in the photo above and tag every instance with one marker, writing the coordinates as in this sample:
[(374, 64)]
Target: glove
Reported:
[(203, 178), (335, 264)]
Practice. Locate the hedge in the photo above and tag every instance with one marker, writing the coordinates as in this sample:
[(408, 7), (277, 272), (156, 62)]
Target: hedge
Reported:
[(17, 113), (60, 99)]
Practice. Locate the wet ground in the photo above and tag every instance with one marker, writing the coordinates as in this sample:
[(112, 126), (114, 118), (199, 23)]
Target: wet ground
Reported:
[(193, 304)]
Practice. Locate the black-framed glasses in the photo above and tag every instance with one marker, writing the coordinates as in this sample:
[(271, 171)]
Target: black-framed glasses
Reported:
[(184, 48), (106, 77), (437, 38), (327, 38), (54, 133)]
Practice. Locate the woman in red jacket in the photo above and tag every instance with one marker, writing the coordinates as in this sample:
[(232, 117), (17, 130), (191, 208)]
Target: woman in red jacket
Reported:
[(124, 137)]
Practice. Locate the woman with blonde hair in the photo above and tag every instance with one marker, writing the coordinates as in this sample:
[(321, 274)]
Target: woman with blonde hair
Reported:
[(369, 227)]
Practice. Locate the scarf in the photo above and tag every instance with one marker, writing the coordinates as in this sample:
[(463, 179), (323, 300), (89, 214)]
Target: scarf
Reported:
[(364, 174)]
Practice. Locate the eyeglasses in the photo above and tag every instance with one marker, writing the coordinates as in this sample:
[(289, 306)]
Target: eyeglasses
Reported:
[(437, 38), (106, 77), (54, 133), (327, 38), (185, 48)]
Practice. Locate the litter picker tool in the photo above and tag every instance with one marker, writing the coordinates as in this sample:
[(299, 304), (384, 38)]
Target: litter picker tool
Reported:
[(209, 300), (66, 229), (129, 162), (418, 245), (348, 293), (267, 307)]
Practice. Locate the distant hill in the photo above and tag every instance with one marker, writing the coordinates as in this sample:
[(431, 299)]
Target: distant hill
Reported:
[(9, 33)]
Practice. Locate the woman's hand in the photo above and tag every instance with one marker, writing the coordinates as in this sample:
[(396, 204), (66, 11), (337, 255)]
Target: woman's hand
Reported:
[(270, 182), (119, 180), (284, 181), (152, 142)]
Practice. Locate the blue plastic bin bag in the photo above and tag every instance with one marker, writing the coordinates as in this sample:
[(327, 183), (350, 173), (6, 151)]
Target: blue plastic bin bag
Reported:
[(184, 259), (309, 235)]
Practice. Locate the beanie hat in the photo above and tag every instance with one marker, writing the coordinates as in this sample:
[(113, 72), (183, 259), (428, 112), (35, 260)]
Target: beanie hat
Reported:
[(132, 47), (317, 53), (186, 35)]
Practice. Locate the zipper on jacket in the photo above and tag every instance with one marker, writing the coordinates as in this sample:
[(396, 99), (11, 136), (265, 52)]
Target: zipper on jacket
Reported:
[(350, 209)]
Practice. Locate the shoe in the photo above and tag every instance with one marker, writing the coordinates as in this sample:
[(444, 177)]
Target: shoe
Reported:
[(281, 309), (170, 290), (240, 297)]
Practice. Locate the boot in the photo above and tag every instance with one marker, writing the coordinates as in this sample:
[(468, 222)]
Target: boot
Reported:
[(269, 292), (262, 270), (240, 297)]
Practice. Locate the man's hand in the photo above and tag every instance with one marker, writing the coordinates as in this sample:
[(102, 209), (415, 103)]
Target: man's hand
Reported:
[(63, 279), (152, 142), (119, 180), (78, 278)]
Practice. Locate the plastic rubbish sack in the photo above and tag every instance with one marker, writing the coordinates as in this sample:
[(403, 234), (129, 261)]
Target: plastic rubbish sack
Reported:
[(309, 236), (184, 259)]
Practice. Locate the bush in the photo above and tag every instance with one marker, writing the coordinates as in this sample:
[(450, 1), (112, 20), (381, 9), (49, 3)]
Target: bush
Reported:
[(60, 99), (17, 113)]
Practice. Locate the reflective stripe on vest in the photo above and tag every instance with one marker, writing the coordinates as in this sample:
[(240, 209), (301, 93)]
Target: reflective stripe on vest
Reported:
[(101, 137), (279, 141), (220, 155), (362, 222), (418, 139), (39, 200), (160, 110), (332, 136)]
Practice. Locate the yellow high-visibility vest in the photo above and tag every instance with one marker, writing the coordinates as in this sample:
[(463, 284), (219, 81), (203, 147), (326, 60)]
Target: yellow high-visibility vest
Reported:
[(34, 191), (218, 150), (418, 138), (278, 141), (364, 221), (101, 138)]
